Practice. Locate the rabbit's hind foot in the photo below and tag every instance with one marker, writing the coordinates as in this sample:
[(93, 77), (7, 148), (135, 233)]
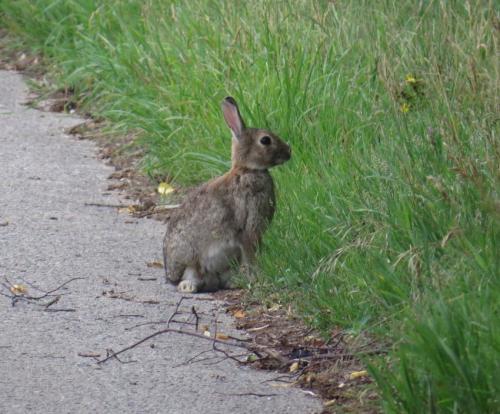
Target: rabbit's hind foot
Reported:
[(191, 281), (187, 286)]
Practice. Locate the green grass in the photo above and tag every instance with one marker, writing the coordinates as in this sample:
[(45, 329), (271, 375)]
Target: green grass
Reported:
[(389, 212)]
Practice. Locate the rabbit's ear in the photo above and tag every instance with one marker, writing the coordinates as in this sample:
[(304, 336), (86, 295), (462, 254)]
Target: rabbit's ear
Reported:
[(232, 116)]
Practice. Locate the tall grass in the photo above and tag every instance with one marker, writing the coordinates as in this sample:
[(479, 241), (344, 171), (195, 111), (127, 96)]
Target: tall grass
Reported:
[(389, 213)]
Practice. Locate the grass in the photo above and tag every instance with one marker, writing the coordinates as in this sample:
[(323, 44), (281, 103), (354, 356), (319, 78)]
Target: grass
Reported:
[(389, 213)]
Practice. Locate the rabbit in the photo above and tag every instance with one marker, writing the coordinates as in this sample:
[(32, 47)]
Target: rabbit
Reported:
[(220, 224)]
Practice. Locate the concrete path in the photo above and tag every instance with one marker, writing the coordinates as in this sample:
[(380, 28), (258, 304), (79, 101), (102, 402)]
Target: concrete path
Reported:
[(48, 235)]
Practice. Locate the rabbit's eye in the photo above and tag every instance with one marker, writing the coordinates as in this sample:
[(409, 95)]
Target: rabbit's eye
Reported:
[(265, 140)]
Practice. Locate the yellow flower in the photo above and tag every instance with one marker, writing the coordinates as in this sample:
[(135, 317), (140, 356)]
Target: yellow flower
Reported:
[(164, 189), (405, 108), (410, 79)]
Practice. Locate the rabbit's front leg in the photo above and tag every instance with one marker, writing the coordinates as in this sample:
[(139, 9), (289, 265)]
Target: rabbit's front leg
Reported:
[(191, 281), (248, 261)]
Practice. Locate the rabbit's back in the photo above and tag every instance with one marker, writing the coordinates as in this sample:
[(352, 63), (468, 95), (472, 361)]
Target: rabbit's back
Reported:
[(232, 210)]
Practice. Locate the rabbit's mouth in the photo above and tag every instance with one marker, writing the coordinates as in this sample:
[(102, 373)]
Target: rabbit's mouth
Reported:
[(283, 157)]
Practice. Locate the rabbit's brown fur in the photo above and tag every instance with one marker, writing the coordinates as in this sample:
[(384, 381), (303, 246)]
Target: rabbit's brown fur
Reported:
[(221, 222)]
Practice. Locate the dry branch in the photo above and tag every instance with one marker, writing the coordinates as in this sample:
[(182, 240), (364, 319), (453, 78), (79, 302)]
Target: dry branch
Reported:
[(169, 330), (37, 300)]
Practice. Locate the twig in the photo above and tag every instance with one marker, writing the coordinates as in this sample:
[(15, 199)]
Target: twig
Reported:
[(260, 328), (196, 317), (333, 355), (193, 358), (229, 356), (60, 310), (53, 290), (111, 354), (7, 296), (169, 330), (246, 394), (159, 323), (53, 301), (15, 297), (175, 312), (88, 354), (282, 378), (106, 205), (32, 285)]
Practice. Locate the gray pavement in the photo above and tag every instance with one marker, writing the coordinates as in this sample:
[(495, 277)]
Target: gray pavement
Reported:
[(48, 235)]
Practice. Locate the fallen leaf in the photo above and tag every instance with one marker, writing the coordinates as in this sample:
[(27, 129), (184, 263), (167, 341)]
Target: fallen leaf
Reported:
[(358, 374), (221, 336), (165, 188), (275, 307), (18, 289), (252, 358), (157, 264), (329, 403), (239, 314), (310, 377), (131, 209), (294, 367)]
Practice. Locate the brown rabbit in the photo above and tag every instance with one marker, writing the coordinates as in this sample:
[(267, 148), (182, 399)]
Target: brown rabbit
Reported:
[(220, 223)]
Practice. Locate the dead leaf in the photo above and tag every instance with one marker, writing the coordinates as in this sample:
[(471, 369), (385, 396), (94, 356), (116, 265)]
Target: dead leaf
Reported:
[(294, 367), (156, 264), (222, 336), (329, 403), (239, 314), (310, 377), (18, 289), (358, 374), (131, 209), (275, 307), (252, 358)]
